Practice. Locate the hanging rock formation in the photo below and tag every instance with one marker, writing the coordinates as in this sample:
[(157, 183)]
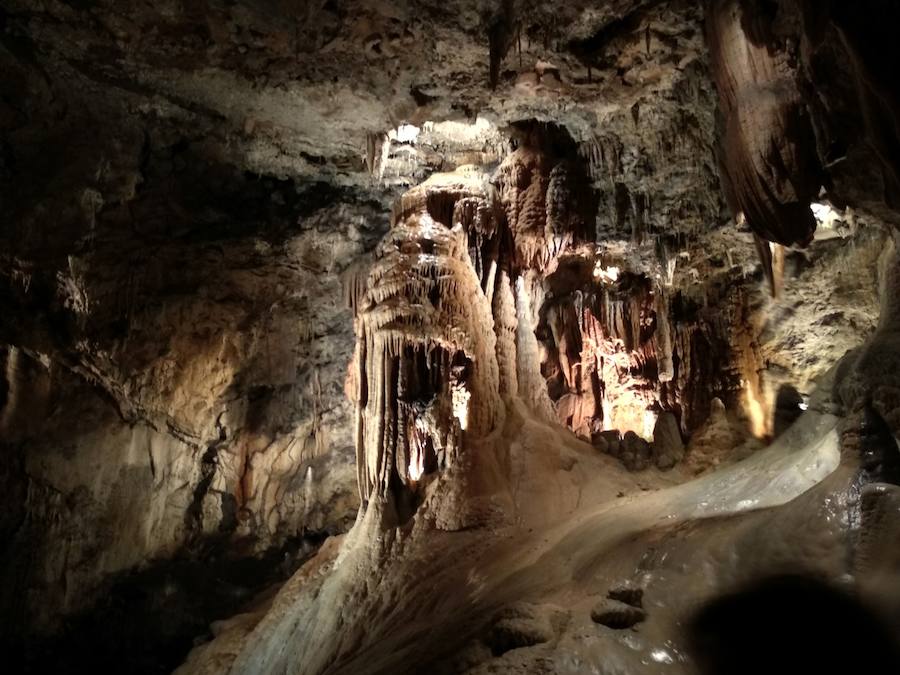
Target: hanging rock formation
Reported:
[(808, 105), (425, 369), (770, 171)]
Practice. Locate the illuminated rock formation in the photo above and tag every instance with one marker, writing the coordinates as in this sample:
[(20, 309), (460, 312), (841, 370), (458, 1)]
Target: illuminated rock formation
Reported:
[(619, 350), (425, 372), (546, 197), (476, 286)]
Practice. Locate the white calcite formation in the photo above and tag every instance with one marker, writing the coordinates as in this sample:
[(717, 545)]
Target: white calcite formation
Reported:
[(424, 374)]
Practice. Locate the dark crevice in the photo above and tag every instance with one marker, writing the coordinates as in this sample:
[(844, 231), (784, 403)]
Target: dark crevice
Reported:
[(193, 517), (146, 621), (591, 51), (502, 32)]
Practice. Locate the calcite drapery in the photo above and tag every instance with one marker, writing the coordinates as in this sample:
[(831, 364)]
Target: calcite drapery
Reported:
[(425, 371)]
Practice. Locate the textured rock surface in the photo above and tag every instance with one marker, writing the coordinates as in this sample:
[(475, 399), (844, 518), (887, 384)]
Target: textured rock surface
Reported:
[(808, 109), (199, 408), (186, 188), (521, 625), (668, 448), (616, 614), (769, 165)]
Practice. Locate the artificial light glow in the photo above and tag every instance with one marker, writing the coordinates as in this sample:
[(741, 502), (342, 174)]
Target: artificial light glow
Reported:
[(462, 132), (606, 405), (461, 406), (661, 656), (416, 452), (649, 424), (670, 271), (608, 274), (405, 133), (822, 212), (755, 411), (416, 465), (429, 227), (827, 216)]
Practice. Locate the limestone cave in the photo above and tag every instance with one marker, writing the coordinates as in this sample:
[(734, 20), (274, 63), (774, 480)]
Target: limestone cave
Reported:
[(474, 337)]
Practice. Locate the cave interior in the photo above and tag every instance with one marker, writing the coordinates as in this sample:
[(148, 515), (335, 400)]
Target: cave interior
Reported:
[(348, 337)]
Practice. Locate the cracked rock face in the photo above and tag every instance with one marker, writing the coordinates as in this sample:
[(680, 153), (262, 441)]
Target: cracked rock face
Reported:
[(269, 267)]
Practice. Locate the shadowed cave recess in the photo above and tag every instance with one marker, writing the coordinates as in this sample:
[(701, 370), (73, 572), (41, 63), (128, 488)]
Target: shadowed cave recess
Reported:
[(481, 336)]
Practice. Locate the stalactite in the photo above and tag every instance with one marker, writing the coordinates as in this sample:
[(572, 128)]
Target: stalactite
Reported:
[(353, 283), (769, 166), (618, 352), (665, 364)]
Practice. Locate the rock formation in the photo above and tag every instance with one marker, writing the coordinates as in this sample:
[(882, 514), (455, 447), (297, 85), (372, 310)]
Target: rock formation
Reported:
[(770, 170), (425, 368)]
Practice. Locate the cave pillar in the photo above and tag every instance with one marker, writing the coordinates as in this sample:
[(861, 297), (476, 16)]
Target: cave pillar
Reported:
[(425, 371)]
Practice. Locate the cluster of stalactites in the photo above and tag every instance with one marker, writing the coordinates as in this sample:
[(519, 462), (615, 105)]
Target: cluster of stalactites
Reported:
[(603, 352), (444, 327), (548, 203), (426, 375), (615, 354)]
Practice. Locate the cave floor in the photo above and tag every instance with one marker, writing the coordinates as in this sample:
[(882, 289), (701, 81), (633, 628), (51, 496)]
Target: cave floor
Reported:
[(517, 596)]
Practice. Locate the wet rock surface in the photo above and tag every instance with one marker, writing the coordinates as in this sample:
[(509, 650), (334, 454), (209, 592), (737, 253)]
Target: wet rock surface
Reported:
[(617, 614), (519, 626)]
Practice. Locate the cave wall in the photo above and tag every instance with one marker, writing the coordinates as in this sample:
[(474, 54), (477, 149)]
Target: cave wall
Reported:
[(175, 369), (185, 190)]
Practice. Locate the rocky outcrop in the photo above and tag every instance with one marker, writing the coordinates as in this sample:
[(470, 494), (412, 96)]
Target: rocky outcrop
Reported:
[(546, 197), (616, 614), (187, 342), (668, 448), (199, 403)]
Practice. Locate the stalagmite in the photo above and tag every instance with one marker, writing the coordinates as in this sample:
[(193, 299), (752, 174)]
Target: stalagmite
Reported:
[(665, 365)]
